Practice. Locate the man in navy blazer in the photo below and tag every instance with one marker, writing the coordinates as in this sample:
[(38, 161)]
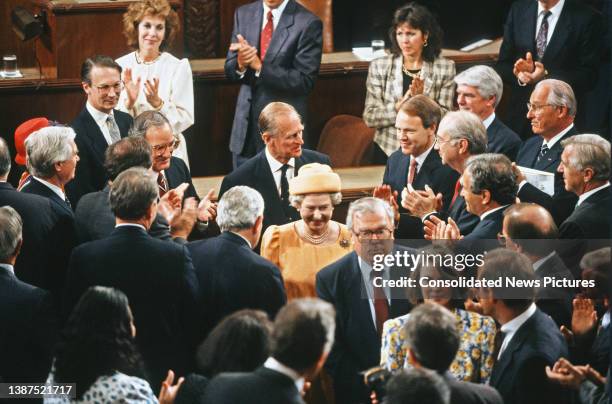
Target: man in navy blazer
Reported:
[(98, 124), (361, 309), (567, 46), (530, 340), (479, 90), (281, 128), (231, 276), (552, 111), (416, 164), (275, 55), (157, 277)]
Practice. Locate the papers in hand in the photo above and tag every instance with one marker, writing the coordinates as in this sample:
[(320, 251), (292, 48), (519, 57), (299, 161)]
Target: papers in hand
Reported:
[(542, 180)]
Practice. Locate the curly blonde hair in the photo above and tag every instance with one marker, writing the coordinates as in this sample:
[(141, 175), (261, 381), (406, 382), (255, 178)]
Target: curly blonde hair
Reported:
[(138, 10)]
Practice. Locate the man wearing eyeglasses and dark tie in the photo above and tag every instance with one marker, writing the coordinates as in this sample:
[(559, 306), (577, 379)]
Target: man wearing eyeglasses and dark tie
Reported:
[(98, 124)]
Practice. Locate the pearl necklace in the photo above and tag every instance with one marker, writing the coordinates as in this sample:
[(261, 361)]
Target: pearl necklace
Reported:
[(409, 73), (316, 240), (145, 62)]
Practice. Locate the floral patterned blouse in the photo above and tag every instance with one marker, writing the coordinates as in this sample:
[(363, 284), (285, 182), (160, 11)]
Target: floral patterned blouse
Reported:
[(474, 359)]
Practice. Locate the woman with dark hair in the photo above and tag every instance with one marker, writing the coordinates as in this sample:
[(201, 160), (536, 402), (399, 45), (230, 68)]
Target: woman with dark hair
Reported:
[(239, 343), (474, 360), (98, 353), (413, 67)]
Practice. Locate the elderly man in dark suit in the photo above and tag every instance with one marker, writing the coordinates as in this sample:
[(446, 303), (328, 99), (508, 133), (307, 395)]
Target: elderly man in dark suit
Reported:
[(275, 55), (269, 171), (416, 164), (529, 229), (529, 339), (559, 39), (346, 283), (157, 276), (479, 90), (552, 108), (98, 124), (29, 323), (231, 276), (302, 337)]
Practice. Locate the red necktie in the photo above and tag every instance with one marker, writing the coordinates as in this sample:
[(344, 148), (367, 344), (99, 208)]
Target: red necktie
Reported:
[(381, 305), (266, 36), (412, 170), (162, 184), (456, 194)]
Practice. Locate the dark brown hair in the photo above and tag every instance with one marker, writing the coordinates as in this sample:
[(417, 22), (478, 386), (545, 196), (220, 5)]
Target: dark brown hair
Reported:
[(418, 17)]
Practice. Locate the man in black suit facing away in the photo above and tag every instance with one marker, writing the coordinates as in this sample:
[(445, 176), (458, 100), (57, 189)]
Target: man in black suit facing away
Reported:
[(351, 285), (416, 164), (275, 56), (231, 276), (29, 324), (98, 124), (302, 336), (529, 340), (157, 277), (461, 135), (529, 229), (552, 110), (271, 169), (479, 90), (560, 39)]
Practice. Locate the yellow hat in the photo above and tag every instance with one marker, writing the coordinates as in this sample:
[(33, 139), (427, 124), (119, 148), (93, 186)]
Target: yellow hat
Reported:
[(315, 178)]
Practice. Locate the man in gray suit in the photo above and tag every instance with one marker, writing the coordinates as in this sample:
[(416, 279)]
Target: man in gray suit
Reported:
[(275, 54)]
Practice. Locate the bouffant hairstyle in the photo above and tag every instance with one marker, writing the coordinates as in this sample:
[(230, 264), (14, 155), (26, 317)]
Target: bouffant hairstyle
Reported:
[(138, 10), (418, 17)]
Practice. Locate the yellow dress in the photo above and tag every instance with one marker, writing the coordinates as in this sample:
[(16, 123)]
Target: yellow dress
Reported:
[(298, 260)]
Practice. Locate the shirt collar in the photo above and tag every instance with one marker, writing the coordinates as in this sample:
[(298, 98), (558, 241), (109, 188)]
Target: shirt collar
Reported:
[(557, 137), (8, 268), (584, 196), (130, 225), (244, 238), (421, 157), (98, 116), (536, 265), (275, 365), (276, 12), (513, 325), (489, 120), (488, 212), (276, 165), (555, 11), (57, 190)]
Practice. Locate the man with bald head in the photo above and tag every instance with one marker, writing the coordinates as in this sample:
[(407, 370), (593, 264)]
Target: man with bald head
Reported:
[(529, 229)]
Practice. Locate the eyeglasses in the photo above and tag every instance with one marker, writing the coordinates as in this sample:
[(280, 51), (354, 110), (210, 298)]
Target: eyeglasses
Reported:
[(384, 233), (105, 88), (441, 141), (538, 108), (161, 148)]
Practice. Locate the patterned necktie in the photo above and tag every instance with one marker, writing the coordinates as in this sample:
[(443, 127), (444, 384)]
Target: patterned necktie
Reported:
[(456, 194), (284, 185), (543, 151), (162, 184), (68, 202), (113, 129), (542, 37), (412, 170), (266, 35), (381, 305)]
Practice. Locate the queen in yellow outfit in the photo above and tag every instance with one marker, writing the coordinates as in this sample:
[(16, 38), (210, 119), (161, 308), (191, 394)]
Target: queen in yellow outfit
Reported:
[(302, 248)]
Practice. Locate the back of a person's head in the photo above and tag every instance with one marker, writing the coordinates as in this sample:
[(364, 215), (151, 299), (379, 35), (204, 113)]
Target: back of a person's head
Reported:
[(417, 385), (132, 193), (432, 336), (531, 227), (239, 208), (11, 230), (97, 340), (239, 343), (5, 159), (303, 332), (127, 153), (597, 266)]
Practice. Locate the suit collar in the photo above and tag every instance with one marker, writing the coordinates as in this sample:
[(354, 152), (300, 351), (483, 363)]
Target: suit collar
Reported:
[(273, 364), (235, 238), (551, 158), (40, 189), (594, 195), (281, 33), (130, 230), (562, 30), (8, 269), (6, 186), (94, 135), (493, 213)]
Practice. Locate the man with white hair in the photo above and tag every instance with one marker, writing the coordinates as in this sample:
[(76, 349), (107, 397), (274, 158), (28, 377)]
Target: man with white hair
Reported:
[(231, 276), (479, 90)]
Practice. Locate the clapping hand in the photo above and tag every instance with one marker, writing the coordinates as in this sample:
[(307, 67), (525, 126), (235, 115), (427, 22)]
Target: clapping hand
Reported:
[(528, 71), (168, 391), (207, 210), (132, 87), (416, 87), (584, 316), (524, 65), (419, 203), (247, 54), (437, 229), (385, 193), (151, 92), (566, 374)]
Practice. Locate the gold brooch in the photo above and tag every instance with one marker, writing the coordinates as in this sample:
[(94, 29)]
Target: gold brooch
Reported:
[(344, 243)]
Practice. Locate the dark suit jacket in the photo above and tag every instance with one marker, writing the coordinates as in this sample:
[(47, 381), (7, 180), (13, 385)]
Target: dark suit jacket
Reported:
[(458, 212), (61, 240), (159, 281), (288, 71), (233, 277), (263, 385), (562, 203), (555, 302), (90, 173), (519, 374), (439, 177), (357, 344), (178, 173), (471, 393), (256, 173), (572, 55), (28, 333), (502, 139)]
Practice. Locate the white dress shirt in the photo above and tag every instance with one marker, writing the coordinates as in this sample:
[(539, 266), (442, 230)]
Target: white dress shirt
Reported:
[(488, 212), (489, 120), (276, 15), (57, 190), (276, 166), (131, 225), (584, 196), (275, 365), (536, 265), (8, 268), (512, 326), (420, 159), (553, 18), (100, 118)]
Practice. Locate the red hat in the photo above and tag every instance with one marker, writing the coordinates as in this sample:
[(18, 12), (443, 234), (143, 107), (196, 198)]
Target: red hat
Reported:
[(21, 134)]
